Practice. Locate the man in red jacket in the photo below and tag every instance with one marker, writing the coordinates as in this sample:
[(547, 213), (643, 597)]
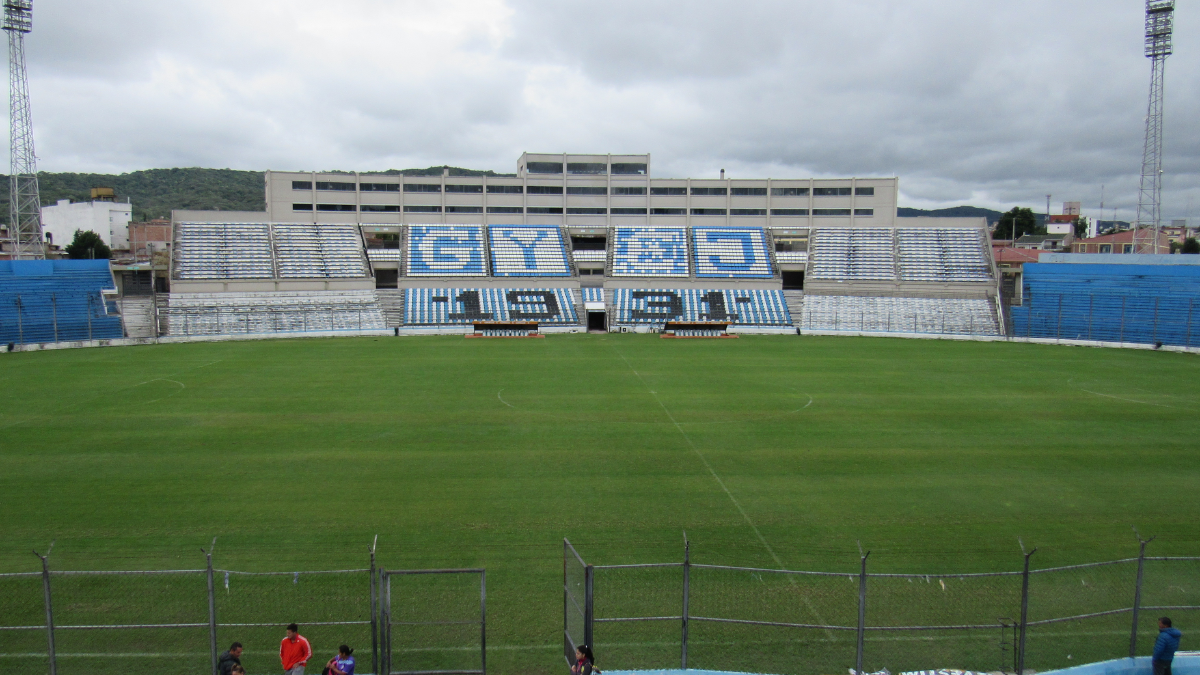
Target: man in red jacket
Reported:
[(294, 651)]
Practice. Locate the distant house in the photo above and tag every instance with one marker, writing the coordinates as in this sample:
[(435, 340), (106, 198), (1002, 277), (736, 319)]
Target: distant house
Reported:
[(1117, 242), (1044, 242)]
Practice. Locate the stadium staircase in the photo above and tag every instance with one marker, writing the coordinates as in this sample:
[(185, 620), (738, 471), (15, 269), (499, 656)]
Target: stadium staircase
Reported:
[(137, 313), (391, 301), (795, 305)]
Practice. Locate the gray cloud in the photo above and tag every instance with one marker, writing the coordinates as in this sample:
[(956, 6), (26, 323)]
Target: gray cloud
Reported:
[(992, 105)]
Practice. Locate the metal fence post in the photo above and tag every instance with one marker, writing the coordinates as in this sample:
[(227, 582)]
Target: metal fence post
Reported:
[(589, 575), (1137, 594), (1187, 340), (1121, 337), (1091, 305), (687, 573), (1058, 329), (49, 609), (54, 314), (1024, 612), (212, 607), (374, 613), (862, 613), (385, 615), (20, 324), (89, 315), (1154, 335), (483, 622)]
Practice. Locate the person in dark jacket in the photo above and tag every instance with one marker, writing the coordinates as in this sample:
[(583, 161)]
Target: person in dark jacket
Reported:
[(1164, 647), (585, 662), (229, 659)]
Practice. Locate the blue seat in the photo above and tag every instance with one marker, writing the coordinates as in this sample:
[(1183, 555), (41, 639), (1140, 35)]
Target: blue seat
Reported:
[(528, 251), (593, 294), (738, 307), (731, 252), (649, 252), (445, 251), (464, 306), (56, 301)]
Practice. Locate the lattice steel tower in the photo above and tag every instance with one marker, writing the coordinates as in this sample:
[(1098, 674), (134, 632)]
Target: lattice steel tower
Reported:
[(1159, 16), (25, 205)]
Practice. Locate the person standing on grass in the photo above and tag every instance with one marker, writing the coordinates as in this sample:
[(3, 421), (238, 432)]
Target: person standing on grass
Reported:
[(229, 659), (1164, 647), (294, 651)]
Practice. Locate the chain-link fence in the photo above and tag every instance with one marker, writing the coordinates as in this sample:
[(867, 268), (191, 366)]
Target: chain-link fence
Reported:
[(718, 617), (176, 622)]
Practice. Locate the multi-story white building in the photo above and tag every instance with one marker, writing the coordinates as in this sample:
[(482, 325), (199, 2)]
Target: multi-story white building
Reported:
[(579, 191), (109, 219)]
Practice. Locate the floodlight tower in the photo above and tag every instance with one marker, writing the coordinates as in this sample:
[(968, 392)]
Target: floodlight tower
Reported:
[(1159, 19), (25, 205)]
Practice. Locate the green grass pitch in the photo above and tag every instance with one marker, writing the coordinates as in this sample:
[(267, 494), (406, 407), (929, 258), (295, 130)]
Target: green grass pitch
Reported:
[(936, 455)]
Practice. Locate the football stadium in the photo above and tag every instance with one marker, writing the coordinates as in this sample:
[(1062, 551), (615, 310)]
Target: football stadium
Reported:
[(864, 456)]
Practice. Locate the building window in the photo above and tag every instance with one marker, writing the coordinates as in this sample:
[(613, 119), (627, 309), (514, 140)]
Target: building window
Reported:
[(668, 212), (867, 213), (335, 187), (669, 191), (422, 209), (590, 168), (708, 212), (422, 187), (1127, 248), (505, 189), (464, 209), (379, 208), (629, 191), (543, 167), (748, 192), (747, 212), (628, 169), (505, 209), (587, 190), (789, 212), (586, 211), (302, 207), (831, 212), (709, 191), (335, 207), (545, 190), (831, 192), (545, 210), (379, 187), (301, 185), (789, 192), (627, 211), (864, 192), (467, 189), (1106, 248)]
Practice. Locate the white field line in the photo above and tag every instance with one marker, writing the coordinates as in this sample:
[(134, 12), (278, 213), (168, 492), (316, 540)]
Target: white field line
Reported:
[(736, 503)]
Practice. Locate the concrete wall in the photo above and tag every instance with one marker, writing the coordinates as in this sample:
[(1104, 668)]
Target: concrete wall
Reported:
[(110, 220)]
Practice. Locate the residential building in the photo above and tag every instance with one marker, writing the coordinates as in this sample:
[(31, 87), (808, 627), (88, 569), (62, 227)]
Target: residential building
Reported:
[(107, 218), (1117, 242)]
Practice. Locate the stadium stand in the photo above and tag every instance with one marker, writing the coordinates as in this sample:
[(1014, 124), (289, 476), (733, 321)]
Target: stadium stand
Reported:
[(738, 307), (592, 294), (958, 316), (528, 251), (1110, 303), (319, 251), (56, 301), (459, 306), (223, 251), (589, 256), (446, 251), (731, 252), (649, 252), (279, 312), (853, 254), (942, 254)]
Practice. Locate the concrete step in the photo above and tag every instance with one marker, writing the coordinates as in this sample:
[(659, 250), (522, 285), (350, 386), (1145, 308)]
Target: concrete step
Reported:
[(391, 301), (137, 314), (795, 305)]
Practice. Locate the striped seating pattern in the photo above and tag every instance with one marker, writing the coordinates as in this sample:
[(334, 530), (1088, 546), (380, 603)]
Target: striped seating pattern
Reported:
[(943, 254), (446, 251), (528, 251), (649, 252), (319, 251), (739, 307), (459, 306), (279, 312), (956, 316), (56, 300), (593, 294), (223, 251), (731, 252)]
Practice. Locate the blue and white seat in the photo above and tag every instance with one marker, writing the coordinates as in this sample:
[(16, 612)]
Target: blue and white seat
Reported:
[(738, 307), (273, 312), (955, 316), (223, 251), (528, 251), (318, 251), (731, 252), (446, 251), (939, 254), (592, 294), (464, 306), (56, 301), (852, 254), (649, 252)]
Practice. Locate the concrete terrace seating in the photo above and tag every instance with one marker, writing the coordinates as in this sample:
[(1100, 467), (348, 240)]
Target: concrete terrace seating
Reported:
[(738, 307), (592, 294), (464, 306), (589, 256), (852, 254), (56, 301), (649, 252), (446, 251), (319, 251), (731, 252), (223, 251), (277, 312), (1110, 303), (943, 254), (528, 251), (958, 316), (791, 257)]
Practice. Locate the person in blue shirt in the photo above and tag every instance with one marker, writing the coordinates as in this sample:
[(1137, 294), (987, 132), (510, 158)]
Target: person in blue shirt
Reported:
[(343, 663), (1164, 647)]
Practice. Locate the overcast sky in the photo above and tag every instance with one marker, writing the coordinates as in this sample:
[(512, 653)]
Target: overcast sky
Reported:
[(986, 103)]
